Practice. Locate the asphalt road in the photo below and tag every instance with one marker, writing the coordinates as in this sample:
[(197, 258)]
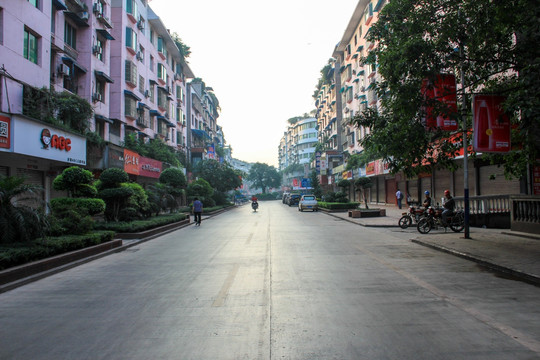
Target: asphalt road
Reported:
[(275, 284)]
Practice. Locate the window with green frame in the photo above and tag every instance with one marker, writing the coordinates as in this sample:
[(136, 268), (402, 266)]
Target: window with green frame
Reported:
[(34, 3), (162, 72), (131, 8), (30, 49), (131, 39), (70, 35)]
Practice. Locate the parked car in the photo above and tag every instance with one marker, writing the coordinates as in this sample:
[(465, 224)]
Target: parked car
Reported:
[(293, 199), (308, 202)]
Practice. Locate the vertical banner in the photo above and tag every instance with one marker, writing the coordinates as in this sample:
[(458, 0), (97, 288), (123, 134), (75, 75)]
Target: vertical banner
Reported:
[(491, 124), (443, 91), (211, 152)]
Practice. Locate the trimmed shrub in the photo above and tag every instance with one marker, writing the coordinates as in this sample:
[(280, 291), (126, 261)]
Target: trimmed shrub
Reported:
[(141, 225), (338, 205), (92, 206)]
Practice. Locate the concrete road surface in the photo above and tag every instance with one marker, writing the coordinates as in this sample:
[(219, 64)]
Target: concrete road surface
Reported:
[(273, 284)]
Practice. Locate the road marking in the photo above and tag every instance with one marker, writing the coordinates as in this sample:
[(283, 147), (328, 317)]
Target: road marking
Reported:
[(220, 298), (249, 238), (523, 339)]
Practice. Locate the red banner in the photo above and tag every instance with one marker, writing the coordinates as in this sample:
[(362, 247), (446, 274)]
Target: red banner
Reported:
[(491, 124), (442, 90), (149, 167)]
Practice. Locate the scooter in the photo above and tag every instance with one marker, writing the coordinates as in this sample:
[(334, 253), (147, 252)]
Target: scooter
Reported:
[(254, 205)]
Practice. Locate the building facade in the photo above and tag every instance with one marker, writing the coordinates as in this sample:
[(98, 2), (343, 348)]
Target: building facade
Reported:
[(120, 58)]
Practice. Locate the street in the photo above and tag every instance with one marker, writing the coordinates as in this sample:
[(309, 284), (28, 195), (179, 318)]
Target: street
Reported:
[(273, 284)]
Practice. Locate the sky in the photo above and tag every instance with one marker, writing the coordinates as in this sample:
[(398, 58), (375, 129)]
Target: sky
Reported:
[(262, 58)]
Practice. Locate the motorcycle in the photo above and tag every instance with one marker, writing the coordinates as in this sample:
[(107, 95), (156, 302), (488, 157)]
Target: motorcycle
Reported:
[(254, 205), (456, 221), (414, 215)]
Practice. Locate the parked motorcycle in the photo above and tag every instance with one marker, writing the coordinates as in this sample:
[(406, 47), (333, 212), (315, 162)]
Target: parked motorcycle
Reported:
[(433, 219), (414, 215), (254, 205)]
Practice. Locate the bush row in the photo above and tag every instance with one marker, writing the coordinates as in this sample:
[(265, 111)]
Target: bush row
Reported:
[(338, 206), (140, 225), (22, 253)]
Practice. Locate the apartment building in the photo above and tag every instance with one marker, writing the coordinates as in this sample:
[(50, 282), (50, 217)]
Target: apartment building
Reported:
[(116, 54)]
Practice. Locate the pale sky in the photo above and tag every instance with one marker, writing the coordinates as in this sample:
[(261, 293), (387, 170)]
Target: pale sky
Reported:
[(262, 58)]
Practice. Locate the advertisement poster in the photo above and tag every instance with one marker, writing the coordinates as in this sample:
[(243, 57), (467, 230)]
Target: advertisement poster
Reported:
[(491, 124), (370, 169), (5, 132), (443, 91)]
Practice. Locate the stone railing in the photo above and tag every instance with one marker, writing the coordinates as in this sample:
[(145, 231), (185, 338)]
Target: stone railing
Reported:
[(525, 214), (486, 204)]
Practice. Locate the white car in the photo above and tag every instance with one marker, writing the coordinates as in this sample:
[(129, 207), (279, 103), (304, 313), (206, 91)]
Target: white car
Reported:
[(308, 202)]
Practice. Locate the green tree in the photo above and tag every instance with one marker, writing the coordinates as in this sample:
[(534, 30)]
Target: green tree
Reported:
[(317, 190), (113, 193), (77, 181), (18, 220), (201, 189), (498, 54), (364, 183), (264, 176), (221, 176)]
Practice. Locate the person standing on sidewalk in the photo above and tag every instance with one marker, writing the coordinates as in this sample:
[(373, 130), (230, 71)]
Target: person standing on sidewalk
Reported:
[(197, 211), (399, 197)]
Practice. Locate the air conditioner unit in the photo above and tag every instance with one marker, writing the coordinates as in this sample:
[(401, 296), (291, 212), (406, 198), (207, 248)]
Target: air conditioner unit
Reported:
[(96, 97), (140, 55), (169, 89), (63, 69), (98, 8), (83, 15), (97, 50), (147, 93), (140, 25)]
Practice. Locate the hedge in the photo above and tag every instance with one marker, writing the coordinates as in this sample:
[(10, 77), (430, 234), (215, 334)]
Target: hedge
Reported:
[(93, 206), (18, 254), (140, 225), (338, 206)]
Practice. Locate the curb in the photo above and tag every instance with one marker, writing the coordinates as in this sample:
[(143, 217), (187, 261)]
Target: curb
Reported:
[(361, 224), (529, 278)]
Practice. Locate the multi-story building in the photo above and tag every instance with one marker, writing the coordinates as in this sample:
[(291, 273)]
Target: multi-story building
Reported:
[(115, 54), (351, 80)]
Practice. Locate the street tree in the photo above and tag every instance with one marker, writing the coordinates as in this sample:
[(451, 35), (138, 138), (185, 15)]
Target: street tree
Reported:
[(221, 176), (493, 44), (264, 176)]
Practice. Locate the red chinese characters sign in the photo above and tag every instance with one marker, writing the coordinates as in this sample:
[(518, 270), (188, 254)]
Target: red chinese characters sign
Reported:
[(491, 124), (131, 162), (5, 137), (440, 96)]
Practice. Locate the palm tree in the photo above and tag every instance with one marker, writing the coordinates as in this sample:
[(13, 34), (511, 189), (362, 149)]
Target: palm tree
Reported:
[(19, 221)]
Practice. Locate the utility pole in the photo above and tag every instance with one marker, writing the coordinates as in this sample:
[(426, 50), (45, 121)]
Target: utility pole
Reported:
[(465, 144)]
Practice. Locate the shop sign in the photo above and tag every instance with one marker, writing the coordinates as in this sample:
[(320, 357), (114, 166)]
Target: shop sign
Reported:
[(150, 167), (491, 124), (370, 168), (131, 162), (5, 132), (210, 152), (34, 139)]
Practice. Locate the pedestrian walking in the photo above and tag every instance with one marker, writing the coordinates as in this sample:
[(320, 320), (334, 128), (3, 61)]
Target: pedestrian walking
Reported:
[(399, 197), (197, 211)]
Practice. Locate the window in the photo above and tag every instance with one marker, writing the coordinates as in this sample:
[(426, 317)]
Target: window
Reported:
[(30, 50), (131, 8), (151, 63), (34, 3), (131, 73), (131, 39), (98, 48), (162, 99), (130, 107), (162, 72), (141, 84), (152, 94), (1, 26), (70, 35), (161, 47), (99, 95)]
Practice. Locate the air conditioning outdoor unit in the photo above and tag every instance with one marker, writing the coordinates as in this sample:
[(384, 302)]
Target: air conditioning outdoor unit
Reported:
[(83, 15), (63, 69), (139, 55), (147, 93), (96, 97), (97, 49), (98, 8)]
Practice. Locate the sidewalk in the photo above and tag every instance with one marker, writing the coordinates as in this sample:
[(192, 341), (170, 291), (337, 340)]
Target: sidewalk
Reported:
[(502, 250)]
